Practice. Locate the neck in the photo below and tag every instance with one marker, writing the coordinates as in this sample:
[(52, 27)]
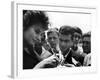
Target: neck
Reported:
[(66, 51)]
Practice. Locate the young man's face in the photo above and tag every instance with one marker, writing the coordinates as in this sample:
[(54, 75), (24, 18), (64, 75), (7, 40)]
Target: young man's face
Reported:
[(86, 45), (65, 42), (76, 37), (53, 39), (32, 34)]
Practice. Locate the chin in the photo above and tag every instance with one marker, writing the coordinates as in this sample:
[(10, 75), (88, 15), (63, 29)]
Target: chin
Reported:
[(86, 51), (62, 50)]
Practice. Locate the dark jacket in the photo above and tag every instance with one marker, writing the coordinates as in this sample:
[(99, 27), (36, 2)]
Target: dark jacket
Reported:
[(68, 59), (29, 58)]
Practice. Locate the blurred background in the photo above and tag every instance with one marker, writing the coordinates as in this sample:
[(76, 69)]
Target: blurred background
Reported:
[(58, 19)]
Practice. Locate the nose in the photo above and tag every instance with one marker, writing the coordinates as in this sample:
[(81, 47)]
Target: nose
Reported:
[(62, 44), (52, 39), (77, 38), (39, 37), (85, 44)]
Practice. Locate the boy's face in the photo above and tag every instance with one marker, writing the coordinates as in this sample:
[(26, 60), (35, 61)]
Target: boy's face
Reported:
[(76, 37), (65, 42), (32, 34), (86, 45), (53, 39)]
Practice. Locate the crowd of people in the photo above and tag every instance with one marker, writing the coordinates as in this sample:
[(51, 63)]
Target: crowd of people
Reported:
[(45, 47)]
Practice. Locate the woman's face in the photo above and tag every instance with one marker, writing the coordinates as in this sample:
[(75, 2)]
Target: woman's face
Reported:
[(32, 34)]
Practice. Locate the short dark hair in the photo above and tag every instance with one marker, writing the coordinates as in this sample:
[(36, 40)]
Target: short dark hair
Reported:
[(52, 30), (31, 17), (88, 34), (78, 30), (66, 30)]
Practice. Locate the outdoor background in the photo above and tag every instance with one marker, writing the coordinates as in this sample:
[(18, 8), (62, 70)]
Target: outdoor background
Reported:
[(58, 19)]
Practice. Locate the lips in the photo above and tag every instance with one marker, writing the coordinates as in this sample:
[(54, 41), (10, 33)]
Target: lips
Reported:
[(62, 49)]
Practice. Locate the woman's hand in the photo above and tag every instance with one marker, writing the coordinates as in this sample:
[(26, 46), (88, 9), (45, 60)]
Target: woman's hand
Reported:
[(49, 62)]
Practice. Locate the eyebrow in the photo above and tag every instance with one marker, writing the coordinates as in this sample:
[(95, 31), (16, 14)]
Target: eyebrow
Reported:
[(63, 40), (38, 30)]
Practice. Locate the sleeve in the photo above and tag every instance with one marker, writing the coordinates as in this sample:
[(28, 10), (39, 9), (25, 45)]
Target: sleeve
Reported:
[(45, 54)]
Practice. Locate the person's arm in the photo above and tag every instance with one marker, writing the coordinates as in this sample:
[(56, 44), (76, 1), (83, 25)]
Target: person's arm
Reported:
[(49, 62)]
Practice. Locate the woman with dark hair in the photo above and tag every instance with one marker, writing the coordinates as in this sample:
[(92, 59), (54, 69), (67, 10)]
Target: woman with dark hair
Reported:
[(34, 23)]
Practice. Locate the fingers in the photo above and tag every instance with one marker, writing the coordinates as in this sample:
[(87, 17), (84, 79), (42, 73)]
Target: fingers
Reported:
[(53, 60), (53, 57)]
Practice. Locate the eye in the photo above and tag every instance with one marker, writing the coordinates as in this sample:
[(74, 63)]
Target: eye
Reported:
[(60, 40), (77, 36), (38, 31), (66, 41), (49, 38), (54, 38)]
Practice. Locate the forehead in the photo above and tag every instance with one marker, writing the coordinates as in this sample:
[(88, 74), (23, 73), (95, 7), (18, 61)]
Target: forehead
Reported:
[(53, 34), (86, 39), (38, 27), (77, 34), (65, 37)]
